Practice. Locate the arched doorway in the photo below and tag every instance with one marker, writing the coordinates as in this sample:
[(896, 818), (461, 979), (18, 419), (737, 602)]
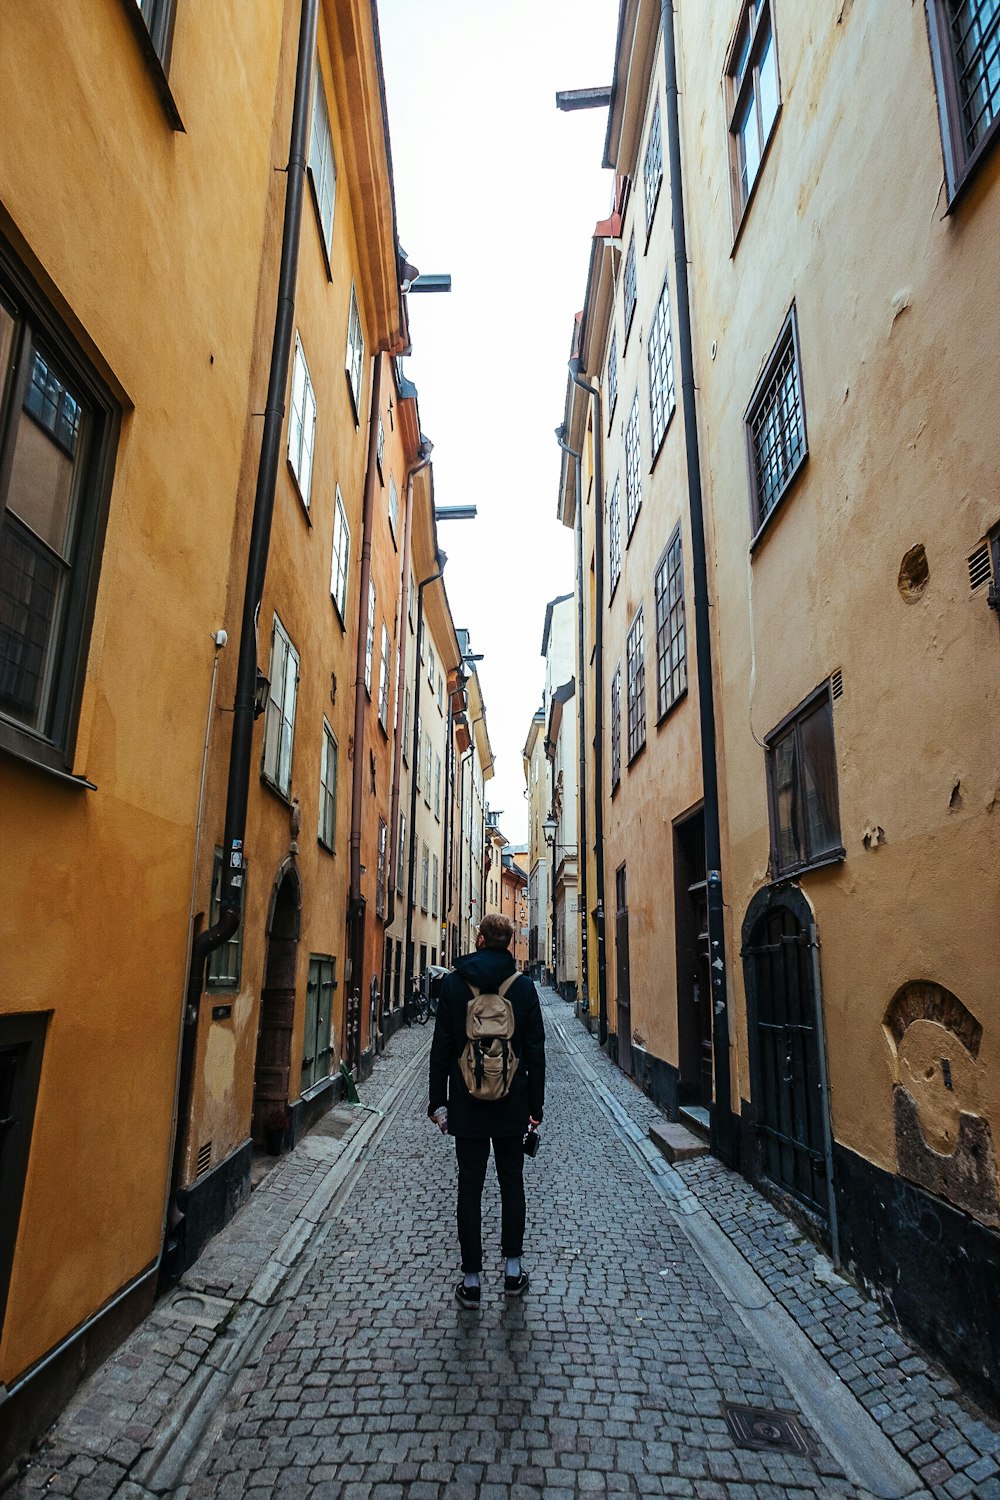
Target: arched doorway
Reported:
[(277, 1004), (787, 1071)]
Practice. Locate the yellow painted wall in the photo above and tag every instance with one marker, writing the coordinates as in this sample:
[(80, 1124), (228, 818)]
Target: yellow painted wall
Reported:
[(149, 241), (899, 330)]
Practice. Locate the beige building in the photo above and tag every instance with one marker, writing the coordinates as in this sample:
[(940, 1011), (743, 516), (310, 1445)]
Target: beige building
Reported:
[(835, 416)]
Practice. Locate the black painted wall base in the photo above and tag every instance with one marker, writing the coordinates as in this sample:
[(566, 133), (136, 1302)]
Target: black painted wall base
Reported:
[(208, 1205), (659, 1080), (303, 1113), (935, 1269)]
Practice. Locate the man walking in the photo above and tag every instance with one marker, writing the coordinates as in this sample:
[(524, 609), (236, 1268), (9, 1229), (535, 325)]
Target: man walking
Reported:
[(487, 1083)]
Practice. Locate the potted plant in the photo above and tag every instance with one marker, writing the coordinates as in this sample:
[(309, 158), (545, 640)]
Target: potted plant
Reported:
[(275, 1127)]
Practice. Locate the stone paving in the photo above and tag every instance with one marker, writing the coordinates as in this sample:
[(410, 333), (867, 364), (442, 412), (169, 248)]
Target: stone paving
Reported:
[(316, 1350)]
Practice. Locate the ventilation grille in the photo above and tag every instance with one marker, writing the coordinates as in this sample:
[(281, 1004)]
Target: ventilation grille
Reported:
[(979, 566), (204, 1158), (837, 683)]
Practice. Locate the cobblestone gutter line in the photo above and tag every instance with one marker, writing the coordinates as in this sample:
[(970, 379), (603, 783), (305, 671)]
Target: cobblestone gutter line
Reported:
[(135, 1418), (951, 1443)]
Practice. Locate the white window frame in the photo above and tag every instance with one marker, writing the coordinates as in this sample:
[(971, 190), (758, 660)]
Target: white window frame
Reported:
[(383, 679), (370, 637), (393, 507), (301, 423), (340, 557), (355, 358), (279, 718), (327, 830), (323, 167)]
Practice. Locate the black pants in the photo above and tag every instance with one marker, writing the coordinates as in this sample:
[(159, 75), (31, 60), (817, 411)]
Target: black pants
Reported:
[(473, 1154)]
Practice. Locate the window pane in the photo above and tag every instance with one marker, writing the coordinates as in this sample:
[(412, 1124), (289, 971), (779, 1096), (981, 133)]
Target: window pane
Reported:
[(768, 86), (975, 33), (786, 798), (819, 782), (749, 140), (45, 449), (31, 588)]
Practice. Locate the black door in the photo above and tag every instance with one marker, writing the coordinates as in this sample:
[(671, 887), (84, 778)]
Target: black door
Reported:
[(786, 1081), (623, 989)]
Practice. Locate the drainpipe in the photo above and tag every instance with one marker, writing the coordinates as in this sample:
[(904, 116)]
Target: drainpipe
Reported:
[(445, 842), (461, 835), (241, 747), (426, 447), (722, 1118), (581, 722), (356, 909), (408, 956), (602, 959)]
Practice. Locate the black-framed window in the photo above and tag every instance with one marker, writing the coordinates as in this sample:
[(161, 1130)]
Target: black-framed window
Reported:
[(754, 97), (22, 1041), (660, 353), (612, 375), (327, 830), (776, 424), (222, 972), (635, 656), (57, 442), (615, 536), (652, 168), (317, 1036), (671, 631), (322, 165), (965, 44), (633, 476), (803, 795), (616, 727), (629, 291)]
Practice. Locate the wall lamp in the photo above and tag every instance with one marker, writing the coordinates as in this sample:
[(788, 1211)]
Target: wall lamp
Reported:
[(261, 689), (455, 512), (429, 283)]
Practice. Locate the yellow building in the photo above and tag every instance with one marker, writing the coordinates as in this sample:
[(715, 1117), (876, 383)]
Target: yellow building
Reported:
[(132, 220)]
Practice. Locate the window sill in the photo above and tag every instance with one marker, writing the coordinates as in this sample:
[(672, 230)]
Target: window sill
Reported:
[(337, 611), (635, 522), (659, 447), (355, 398), (298, 490), (652, 216), (970, 172), (611, 412), (324, 247), (635, 756), (327, 847), (765, 526), (154, 66), (285, 797), (614, 590), (745, 211), (32, 751), (667, 712), (824, 862)]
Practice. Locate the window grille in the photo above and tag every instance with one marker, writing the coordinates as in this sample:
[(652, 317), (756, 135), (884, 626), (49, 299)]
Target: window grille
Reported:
[(616, 728), (671, 634), (629, 285), (974, 32), (636, 661), (633, 480), (615, 537), (660, 352), (612, 375), (652, 172), (776, 425)]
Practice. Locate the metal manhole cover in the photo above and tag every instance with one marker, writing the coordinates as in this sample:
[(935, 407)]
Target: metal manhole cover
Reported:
[(766, 1431)]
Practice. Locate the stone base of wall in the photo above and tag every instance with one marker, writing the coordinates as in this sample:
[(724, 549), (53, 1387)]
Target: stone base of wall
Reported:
[(658, 1079), (209, 1204)]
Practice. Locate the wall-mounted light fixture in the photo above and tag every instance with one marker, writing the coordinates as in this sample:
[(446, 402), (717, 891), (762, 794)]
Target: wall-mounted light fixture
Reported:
[(260, 692)]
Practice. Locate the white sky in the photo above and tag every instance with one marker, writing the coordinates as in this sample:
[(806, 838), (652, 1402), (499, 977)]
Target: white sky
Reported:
[(497, 187)]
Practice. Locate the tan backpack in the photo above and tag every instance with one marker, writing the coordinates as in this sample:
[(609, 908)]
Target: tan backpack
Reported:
[(488, 1061)]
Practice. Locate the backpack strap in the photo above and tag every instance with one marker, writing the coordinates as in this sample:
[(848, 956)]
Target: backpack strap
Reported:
[(502, 990)]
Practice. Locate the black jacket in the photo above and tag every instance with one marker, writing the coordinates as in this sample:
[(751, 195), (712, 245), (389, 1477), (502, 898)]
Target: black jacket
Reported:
[(502, 1117)]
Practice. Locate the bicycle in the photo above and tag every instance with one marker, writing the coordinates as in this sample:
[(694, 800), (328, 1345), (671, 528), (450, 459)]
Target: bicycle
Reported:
[(417, 1007)]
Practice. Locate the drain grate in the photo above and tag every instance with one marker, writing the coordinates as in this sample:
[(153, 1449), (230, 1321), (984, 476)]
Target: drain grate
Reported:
[(766, 1431)]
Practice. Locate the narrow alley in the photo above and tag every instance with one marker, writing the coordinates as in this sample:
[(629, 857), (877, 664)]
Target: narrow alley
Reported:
[(315, 1349)]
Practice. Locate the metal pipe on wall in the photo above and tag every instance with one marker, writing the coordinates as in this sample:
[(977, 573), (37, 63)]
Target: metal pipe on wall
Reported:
[(581, 724)]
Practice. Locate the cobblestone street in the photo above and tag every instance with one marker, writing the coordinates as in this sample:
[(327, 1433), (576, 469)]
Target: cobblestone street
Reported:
[(316, 1348)]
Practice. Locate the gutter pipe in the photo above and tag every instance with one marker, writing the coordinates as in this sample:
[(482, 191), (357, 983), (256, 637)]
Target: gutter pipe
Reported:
[(446, 870), (411, 862), (364, 625), (237, 791), (602, 958), (722, 1117), (426, 447), (582, 721), (461, 834)]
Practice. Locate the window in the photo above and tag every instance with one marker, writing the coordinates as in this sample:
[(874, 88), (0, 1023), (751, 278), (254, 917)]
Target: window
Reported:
[(628, 286), (341, 558), (22, 1043), (776, 425), (383, 680), (302, 424), (802, 786), (671, 635), (159, 18), (383, 845), (652, 170), (636, 662), (370, 637), (355, 353), (440, 693), (616, 728), (322, 167), (420, 749), (615, 537), (328, 789), (425, 876), (661, 370), (317, 1042), (407, 715), (752, 90), (393, 507), (401, 864), (410, 601), (435, 882), (437, 787), (56, 452), (279, 721), (380, 450), (222, 972), (633, 481), (431, 665), (965, 44), (612, 376), (428, 760)]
